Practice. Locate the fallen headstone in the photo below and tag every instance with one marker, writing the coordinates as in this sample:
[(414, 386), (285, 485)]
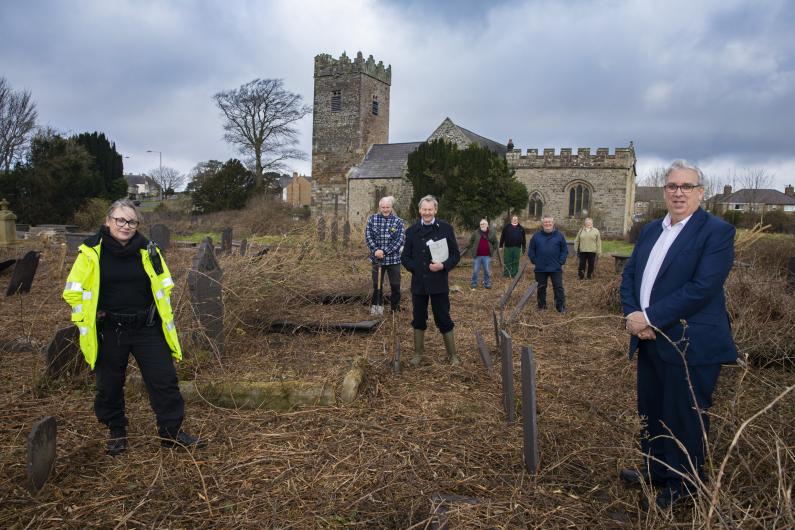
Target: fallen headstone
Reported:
[(41, 452), (353, 380), (289, 326), (24, 272)]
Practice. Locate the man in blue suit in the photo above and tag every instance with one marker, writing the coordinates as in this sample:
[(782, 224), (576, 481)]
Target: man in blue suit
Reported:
[(672, 295)]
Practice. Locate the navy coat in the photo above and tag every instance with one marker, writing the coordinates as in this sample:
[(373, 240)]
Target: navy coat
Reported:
[(416, 257), (548, 251), (687, 301)]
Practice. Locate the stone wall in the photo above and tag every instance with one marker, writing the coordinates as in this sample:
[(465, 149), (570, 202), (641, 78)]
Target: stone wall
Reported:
[(340, 138), (448, 132), (364, 196), (610, 179)]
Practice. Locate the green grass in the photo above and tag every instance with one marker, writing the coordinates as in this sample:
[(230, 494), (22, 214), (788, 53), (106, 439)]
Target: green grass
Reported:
[(617, 247)]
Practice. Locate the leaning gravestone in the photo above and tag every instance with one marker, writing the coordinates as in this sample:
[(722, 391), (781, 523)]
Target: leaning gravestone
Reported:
[(63, 353), (484, 352), (226, 240), (243, 247), (41, 452), (6, 265), (508, 395), (161, 235), (204, 283), (529, 422), (24, 271)]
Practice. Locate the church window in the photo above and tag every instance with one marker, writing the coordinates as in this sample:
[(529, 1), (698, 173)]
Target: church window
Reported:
[(536, 209), (375, 105), (579, 200), (336, 100)]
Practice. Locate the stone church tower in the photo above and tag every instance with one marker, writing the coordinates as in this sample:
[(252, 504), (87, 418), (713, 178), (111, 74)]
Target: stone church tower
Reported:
[(351, 113)]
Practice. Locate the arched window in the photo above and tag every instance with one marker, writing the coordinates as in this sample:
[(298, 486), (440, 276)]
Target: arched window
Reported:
[(579, 200), (536, 209)]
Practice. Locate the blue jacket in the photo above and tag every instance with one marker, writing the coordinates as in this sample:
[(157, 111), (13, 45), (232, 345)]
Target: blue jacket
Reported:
[(548, 251), (417, 258), (687, 301)]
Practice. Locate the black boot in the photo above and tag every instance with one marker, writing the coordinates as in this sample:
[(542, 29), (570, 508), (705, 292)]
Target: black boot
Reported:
[(183, 439), (117, 441)]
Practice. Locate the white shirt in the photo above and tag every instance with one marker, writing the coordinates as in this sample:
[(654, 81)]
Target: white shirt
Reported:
[(656, 258)]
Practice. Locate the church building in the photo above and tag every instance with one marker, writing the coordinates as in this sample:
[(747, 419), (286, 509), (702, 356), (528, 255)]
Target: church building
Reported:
[(354, 165)]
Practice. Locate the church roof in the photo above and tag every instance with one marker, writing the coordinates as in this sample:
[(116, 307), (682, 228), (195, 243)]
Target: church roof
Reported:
[(443, 130), (384, 161)]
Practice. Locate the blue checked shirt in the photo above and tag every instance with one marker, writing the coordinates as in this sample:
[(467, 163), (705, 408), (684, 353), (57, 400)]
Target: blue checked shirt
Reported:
[(387, 234)]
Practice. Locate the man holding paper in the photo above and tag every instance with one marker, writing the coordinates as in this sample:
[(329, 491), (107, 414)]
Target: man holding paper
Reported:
[(429, 254)]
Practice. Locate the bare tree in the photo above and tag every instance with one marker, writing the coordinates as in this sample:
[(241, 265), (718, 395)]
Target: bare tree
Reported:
[(654, 177), (167, 178), (755, 180), (261, 121), (17, 120)]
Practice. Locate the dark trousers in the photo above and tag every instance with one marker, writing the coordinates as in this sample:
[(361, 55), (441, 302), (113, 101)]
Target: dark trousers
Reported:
[(665, 401), (557, 288), (586, 259), (393, 271), (440, 305), (153, 356)]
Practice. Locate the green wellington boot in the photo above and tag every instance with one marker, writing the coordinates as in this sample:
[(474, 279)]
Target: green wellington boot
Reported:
[(419, 347), (449, 345)]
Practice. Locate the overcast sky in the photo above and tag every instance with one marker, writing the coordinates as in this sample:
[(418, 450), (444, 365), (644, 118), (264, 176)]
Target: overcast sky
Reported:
[(712, 81)]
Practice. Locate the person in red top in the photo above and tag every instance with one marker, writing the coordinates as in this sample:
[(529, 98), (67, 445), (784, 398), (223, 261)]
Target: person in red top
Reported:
[(482, 245)]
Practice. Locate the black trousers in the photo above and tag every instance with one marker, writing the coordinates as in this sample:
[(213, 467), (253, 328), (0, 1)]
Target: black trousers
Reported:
[(557, 288), (153, 356), (440, 305), (393, 271), (586, 259), (665, 401)]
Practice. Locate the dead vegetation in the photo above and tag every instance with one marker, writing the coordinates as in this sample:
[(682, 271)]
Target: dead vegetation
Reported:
[(377, 462)]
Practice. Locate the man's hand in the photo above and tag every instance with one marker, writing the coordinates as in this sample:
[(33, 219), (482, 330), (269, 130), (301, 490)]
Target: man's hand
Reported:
[(435, 267), (379, 254), (647, 334), (636, 322)]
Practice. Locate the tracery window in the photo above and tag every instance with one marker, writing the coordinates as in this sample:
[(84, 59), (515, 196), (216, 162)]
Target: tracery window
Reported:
[(579, 200), (536, 209)]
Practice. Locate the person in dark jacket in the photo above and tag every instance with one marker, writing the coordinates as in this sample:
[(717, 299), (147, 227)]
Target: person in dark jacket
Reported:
[(514, 240), (429, 276), (482, 245), (548, 252)]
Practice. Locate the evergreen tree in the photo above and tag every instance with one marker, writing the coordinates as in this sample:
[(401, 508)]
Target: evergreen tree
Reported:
[(217, 186), (469, 184), (107, 162)]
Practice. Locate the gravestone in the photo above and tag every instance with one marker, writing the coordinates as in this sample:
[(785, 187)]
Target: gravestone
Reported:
[(63, 353), (24, 271), (507, 295), (485, 356), (6, 265), (8, 225), (243, 247), (41, 452), (346, 234), (522, 302), (529, 420), (508, 395), (334, 231), (226, 240), (621, 260), (74, 240), (496, 327), (321, 228), (204, 283), (161, 235)]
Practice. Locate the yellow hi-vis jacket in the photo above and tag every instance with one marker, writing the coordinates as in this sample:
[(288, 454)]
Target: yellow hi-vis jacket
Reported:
[(82, 293)]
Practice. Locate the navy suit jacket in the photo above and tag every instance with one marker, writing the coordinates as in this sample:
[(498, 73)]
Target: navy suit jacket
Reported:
[(687, 302)]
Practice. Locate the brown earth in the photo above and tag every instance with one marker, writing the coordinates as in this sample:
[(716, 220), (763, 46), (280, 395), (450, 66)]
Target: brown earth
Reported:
[(377, 462)]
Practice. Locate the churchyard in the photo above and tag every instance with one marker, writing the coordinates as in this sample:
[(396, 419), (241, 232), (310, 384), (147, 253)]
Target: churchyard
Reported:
[(312, 421)]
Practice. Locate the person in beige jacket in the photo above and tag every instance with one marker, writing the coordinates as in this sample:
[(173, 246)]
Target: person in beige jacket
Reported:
[(587, 245)]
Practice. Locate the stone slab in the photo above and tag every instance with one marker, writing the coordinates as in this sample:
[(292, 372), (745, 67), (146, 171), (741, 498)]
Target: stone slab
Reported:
[(507, 295), (24, 272), (529, 419), (161, 235), (204, 284), (41, 452), (7, 265), (508, 394), (522, 302), (63, 354), (485, 356)]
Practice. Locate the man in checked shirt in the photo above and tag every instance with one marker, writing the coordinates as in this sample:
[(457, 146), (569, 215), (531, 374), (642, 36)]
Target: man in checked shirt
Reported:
[(385, 235)]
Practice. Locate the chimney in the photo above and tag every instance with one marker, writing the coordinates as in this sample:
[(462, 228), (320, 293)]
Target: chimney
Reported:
[(727, 190), (295, 174), (789, 191)]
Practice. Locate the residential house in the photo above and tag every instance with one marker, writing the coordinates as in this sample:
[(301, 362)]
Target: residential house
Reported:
[(753, 200)]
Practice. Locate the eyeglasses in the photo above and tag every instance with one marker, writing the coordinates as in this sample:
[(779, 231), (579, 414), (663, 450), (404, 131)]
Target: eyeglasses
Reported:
[(686, 188), (121, 221)]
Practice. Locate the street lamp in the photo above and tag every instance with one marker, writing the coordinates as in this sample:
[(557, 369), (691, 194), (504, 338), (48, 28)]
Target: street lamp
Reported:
[(160, 154)]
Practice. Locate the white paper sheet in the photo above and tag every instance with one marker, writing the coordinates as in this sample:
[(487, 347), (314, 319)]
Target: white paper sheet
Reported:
[(439, 250)]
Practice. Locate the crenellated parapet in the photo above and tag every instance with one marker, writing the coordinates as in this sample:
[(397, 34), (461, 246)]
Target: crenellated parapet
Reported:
[(622, 157), (326, 65)]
